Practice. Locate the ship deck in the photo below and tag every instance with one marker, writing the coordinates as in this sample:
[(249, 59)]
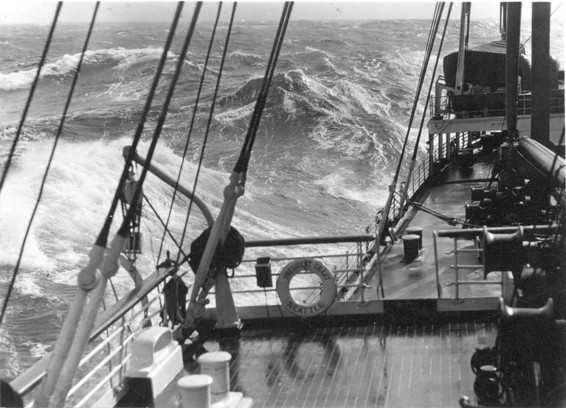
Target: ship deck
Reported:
[(417, 279), (411, 355), (372, 364)]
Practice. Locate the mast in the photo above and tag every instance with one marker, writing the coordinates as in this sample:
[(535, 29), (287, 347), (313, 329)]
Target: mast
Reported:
[(512, 68), (503, 20), (540, 120), (464, 24)]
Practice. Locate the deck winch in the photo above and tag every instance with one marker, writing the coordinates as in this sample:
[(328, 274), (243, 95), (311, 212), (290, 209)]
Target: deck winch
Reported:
[(503, 252), (493, 207)]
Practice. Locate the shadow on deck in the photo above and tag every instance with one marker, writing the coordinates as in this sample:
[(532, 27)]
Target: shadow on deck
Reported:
[(372, 364)]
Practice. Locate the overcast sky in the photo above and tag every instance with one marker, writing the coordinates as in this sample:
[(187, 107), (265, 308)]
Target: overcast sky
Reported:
[(32, 11)]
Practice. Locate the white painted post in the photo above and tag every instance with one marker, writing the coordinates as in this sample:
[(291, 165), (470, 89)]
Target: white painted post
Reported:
[(216, 365), (195, 390)]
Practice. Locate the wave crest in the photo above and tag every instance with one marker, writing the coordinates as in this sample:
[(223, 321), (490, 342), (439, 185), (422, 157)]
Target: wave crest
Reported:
[(245, 58), (121, 58)]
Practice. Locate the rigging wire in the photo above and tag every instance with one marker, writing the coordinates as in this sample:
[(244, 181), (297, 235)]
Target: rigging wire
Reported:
[(433, 32), (387, 208), (415, 151), (30, 96), (468, 20), (166, 231), (208, 125), (191, 127), (64, 369), (123, 230), (432, 35), (243, 161), (438, 9), (221, 228), (531, 36), (49, 162), (103, 235), (439, 215), (413, 111)]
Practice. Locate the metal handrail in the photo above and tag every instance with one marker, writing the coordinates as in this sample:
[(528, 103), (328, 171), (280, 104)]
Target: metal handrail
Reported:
[(95, 374), (443, 103), (119, 349), (28, 380), (99, 355), (103, 382), (340, 261), (456, 266), (336, 239), (476, 234)]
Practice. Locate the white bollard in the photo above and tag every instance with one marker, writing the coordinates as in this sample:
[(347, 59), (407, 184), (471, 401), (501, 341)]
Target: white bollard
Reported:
[(195, 390), (216, 365)]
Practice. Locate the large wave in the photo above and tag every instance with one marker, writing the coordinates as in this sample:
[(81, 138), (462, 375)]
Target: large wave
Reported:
[(326, 148), (335, 115), (121, 60)]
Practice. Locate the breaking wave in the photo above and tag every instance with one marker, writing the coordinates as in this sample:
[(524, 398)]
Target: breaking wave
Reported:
[(120, 59)]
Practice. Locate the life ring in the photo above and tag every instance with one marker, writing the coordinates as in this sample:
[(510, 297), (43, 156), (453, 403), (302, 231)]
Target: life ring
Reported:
[(328, 287)]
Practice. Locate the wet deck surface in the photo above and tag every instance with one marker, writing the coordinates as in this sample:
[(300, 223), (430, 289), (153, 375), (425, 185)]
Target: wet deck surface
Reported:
[(395, 361), (370, 365), (417, 279)]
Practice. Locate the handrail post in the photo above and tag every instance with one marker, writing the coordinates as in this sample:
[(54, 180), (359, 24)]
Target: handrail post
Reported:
[(438, 287), (430, 152), (379, 271), (361, 283), (456, 270)]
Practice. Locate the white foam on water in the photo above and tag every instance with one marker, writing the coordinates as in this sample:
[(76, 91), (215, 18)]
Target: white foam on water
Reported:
[(123, 58)]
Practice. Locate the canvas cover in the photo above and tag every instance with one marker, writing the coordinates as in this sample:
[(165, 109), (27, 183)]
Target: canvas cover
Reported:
[(485, 66)]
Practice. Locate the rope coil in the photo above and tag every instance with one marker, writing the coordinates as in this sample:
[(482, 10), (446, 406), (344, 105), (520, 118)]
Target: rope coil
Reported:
[(227, 255)]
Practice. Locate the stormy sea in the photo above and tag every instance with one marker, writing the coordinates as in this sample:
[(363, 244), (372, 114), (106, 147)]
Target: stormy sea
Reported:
[(326, 149)]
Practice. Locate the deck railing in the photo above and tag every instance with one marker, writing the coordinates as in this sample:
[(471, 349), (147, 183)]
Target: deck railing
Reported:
[(485, 104), (347, 257), (351, 259), (421, 174), (467, 264), (474, 237), (104, 363)]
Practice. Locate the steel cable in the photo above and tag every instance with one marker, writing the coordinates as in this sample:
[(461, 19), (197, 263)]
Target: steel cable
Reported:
[(245, 154), (30, 97), (208, 125), (191, 126), (103, 235), (50, 161), (123, 231)]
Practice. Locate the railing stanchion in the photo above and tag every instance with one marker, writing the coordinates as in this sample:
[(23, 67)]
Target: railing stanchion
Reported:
[(456, 270), (379, 272), (438, 287)]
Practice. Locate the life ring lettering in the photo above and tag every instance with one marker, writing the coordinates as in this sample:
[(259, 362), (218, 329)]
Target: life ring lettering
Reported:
[(328, 288)]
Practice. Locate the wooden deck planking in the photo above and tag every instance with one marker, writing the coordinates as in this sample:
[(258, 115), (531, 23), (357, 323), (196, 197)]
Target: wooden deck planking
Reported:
[(381, 364), (373, 365)]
